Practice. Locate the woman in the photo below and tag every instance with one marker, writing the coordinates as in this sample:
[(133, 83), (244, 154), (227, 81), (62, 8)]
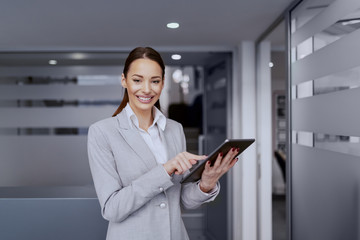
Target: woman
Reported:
[(137, 159)]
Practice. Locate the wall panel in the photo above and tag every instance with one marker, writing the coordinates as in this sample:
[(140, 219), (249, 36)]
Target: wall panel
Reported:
[(324, 128)]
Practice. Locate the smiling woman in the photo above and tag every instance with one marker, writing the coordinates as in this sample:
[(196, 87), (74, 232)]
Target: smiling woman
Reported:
[(144, 83), (140, 53), (138, 158)]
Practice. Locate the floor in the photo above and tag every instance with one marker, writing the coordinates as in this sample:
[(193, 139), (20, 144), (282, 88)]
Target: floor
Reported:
[(279, 217)]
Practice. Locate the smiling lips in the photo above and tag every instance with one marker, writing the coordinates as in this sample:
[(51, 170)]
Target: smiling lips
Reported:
[(144, 99)]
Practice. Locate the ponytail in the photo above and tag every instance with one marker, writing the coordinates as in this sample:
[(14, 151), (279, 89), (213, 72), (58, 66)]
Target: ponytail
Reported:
[(123, 103)]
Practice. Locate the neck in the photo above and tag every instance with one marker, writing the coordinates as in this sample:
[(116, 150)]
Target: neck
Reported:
[(145, 118)]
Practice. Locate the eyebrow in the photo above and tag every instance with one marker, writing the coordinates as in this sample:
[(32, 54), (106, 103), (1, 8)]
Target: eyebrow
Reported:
[(138, 75)]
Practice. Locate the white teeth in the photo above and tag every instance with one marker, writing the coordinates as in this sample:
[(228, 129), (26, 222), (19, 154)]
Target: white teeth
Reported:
[(144, 99)]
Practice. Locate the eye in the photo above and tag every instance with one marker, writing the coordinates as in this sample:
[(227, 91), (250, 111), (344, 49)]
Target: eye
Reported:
[(136, 80), (156, 81)]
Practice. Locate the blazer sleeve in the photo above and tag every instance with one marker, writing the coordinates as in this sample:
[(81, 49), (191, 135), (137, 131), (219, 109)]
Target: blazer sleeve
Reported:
[(191, 195), (118, 202)]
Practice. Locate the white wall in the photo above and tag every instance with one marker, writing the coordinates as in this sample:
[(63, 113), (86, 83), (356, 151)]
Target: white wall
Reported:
[(244, 174), (264, 139)]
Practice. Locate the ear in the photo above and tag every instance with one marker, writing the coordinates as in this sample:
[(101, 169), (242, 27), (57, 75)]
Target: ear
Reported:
[(123, 81)]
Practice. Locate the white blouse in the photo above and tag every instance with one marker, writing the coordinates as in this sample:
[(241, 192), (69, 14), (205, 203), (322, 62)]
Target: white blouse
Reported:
[(153, 139), (152, 136)]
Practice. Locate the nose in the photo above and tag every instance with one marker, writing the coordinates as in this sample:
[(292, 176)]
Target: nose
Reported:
[(146, 87)]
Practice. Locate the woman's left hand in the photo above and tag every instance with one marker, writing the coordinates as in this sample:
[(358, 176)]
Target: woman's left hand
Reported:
[(212, 174)]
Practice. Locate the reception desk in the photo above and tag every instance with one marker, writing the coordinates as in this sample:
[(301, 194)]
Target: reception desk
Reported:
[(56, 213)]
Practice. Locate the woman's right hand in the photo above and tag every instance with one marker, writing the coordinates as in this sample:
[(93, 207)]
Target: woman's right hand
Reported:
[(181, 163)]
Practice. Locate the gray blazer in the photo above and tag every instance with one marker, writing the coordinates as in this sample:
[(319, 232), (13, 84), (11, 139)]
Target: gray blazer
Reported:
[(138, 198)]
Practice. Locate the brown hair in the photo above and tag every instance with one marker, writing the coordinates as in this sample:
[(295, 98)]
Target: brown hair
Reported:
[(137, 53)]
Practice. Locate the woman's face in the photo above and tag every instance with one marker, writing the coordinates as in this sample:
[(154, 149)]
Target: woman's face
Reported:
[(144, 84)]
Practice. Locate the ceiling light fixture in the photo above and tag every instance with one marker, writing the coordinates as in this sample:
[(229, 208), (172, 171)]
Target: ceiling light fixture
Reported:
[(271, 64), (173, 25), (78, 56), (349, 22), (52, 62), (177, 76), (176, 57)]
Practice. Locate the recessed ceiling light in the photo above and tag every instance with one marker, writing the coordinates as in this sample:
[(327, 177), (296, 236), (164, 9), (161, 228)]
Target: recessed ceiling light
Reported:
[(52, 62), (176, 56), (271, 64), (173, 25), (78, 56)]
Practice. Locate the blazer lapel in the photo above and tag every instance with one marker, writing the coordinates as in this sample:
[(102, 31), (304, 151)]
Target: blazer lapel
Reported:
[(169, 142), (136, 142), (172, 149)]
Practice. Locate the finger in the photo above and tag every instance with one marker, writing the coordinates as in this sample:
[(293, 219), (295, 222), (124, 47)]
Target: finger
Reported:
[(186, 162), (185, 165), (235, 153), (207, 166), (227, 158), (193, 156), (178, 168), (226, 168), (230, 156), (193, 161), (233, 162), (218, 160), (232, 153)]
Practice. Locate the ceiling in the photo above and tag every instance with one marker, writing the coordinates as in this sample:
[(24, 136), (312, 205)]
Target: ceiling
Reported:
[(33, 25), (110, 58)]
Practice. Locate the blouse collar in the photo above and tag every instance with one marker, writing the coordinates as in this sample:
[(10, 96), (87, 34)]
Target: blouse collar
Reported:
[(159, 118)]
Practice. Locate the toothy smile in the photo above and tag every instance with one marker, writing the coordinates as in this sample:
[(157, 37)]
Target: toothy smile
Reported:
[(144, 99)]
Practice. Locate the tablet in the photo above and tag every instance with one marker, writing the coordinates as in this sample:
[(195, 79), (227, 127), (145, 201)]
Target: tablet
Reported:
[(196, 170)]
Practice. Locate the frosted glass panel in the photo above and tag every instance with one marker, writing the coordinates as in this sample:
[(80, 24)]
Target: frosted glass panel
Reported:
[(337, 143), (45, 112), (294, 92), (46, 188), (64, 192), (58, 71), (294, 137), (336, 82), (307, 10), (341, 28), (43, 131), (336, 31), (325, 194), (339, 56), (333, 113), (325, 154), (305, 139), (53, 117), (44, 161), (305, 48), (339, 81), (305, 89), (331, 11), (71, 92)]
